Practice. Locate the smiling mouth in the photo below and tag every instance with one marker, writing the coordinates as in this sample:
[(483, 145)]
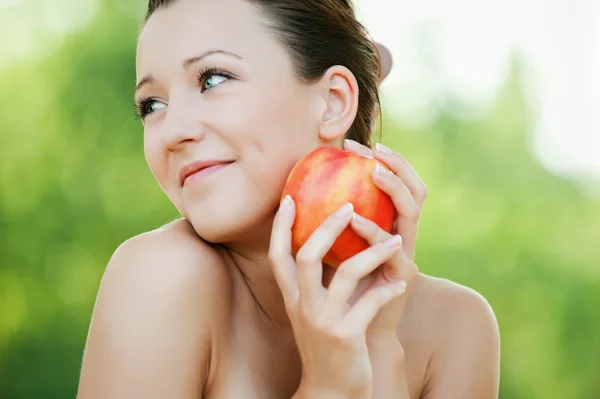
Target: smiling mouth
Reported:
[(205, 172)]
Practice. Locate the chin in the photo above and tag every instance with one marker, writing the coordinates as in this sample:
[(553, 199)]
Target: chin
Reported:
[(213, 228), (244, 224)]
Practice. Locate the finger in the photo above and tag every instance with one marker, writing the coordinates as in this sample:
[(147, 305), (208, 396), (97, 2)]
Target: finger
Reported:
[(366, 308), (401, 168), (350, 272), (309, 269), (407, 223), (357, 148), (282, 261), (400, 266), (374, 234)]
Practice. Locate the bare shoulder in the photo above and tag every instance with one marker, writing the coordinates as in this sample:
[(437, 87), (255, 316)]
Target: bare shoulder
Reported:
[(171, 263), (449, 303), (155, 314), (462, 337), (176, 243)]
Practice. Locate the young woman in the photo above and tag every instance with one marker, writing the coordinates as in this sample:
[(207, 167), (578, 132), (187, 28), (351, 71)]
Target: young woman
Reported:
[(232, 93)]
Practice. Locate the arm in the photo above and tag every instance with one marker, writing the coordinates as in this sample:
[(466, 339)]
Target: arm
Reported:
[(466, 364), (150, 331), (388, 363)]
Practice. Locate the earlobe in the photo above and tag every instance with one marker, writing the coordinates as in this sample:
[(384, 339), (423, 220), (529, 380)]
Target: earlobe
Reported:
[(340, 89)]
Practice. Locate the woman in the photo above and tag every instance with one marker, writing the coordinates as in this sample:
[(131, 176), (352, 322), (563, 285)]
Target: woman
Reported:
[(232, 93)]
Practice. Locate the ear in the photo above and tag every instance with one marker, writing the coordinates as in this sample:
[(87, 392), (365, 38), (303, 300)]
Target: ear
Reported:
[(385, 61), (339, 89)]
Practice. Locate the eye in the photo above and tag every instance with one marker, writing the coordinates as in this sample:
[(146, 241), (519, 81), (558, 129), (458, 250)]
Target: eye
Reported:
[(147, 106), (153, 106), (211, 77), (213, 81)]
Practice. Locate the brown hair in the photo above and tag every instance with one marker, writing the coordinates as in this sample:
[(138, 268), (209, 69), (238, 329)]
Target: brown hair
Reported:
[(319, 34)]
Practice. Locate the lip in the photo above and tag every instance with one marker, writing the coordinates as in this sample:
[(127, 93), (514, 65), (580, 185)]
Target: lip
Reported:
[(198, 166)]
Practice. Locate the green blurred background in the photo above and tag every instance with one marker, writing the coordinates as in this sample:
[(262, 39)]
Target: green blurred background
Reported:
[(74, 185)]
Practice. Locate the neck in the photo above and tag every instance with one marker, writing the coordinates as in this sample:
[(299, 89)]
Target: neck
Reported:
[(251, 257)]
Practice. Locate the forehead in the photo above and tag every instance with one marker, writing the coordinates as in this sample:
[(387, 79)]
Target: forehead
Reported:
[(189, 27)]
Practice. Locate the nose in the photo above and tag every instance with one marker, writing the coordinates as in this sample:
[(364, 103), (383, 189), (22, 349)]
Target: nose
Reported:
[(183, 126)]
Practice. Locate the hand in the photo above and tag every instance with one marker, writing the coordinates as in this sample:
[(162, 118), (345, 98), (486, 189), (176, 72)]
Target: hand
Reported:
[(408, 194), (330, 334)]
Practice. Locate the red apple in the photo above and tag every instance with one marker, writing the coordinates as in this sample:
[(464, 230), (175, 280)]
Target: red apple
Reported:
[(322, 182)]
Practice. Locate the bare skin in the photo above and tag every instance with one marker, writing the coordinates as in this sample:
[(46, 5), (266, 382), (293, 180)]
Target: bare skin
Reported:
[(179, 317), (235, 349)]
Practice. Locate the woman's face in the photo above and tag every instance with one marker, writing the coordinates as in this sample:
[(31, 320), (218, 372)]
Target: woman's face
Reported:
[(218, 87)]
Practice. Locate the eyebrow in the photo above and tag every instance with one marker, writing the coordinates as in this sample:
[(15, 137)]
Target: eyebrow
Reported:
[(149, 78)]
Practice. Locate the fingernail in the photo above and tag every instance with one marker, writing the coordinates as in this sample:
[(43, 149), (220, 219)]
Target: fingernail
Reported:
[(393, 242), (345, 210), (351, 143), (382, 149), (359, 220), (381, 171), (286, 203), (400, 287)]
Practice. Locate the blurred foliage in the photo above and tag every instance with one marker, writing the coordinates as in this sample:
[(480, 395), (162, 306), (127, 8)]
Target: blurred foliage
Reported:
[(74, 184)]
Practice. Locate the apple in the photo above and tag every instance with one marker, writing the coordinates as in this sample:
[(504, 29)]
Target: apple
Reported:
[(322, 182)]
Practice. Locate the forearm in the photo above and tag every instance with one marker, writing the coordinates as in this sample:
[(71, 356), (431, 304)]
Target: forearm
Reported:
[(389, 373)]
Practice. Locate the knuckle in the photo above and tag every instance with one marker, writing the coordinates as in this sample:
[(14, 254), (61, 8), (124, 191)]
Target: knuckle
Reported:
[(324, 328), (341, 342), (335, 336), (304, 257), (380, 253), (321, 324), (422, 191), (412, 271), (412, 212), (380, 296), (275, 256), (304, 316), (345, 272), (342, 337)]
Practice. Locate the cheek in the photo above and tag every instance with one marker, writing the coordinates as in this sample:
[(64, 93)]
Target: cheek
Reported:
[(280, 121), (158, 163), (154, 158), (268, 109), (276, 137), (269, 130), (287, 133)]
